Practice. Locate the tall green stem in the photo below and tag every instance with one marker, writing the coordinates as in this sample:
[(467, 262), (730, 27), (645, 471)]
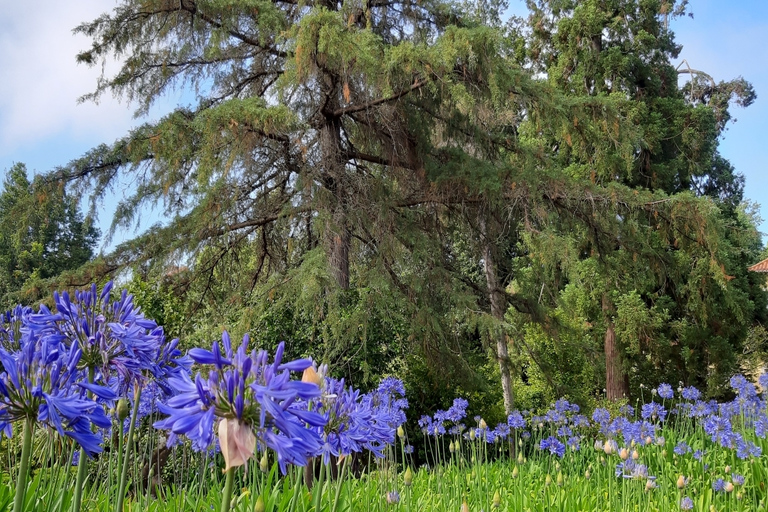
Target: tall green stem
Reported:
[(128, 446), (26, 452), (226, 499), (82, 461)]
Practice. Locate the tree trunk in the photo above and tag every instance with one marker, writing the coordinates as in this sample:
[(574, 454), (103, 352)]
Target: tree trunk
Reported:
[(335, 180), (498, 308), (616, 385)]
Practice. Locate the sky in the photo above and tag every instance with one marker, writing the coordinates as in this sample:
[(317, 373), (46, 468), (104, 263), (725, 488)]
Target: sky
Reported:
[(43, 125)]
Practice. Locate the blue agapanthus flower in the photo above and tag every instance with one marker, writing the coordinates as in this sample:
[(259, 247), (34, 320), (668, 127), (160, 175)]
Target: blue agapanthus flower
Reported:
[(691, 393), (254, 398), (553, 445), (11, 324), (40, 382), (353, 422), (457, 411), (631, 469), (601, 416), (665, 391), (653, 411), (115, 338), (682, 448), (516, 420)]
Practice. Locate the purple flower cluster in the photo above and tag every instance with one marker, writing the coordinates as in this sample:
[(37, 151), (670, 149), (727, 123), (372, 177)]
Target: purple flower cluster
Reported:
[(61, 367), (258, 395), (354, 422)]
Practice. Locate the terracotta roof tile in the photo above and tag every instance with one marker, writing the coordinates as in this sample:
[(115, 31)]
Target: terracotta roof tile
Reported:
[(760, 267)]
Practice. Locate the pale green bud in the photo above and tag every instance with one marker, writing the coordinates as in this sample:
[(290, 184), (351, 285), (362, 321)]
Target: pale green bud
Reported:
[(260, 505), (122, 409)]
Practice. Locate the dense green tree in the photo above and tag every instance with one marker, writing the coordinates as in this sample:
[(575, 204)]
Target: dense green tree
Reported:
[(42, 234), (659, 294)]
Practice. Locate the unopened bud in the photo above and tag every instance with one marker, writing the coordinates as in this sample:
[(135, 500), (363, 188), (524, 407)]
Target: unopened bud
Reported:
[(408, 476), (264, 463), (122, 409), (311, 376), (623, 454), (260, 505), (548, 480), (483, 424), (496, 503), (728, 486), (681, 482), (560, 479), (520, 458), (635, 455), (515, 472), (400, 432), (464, 506)]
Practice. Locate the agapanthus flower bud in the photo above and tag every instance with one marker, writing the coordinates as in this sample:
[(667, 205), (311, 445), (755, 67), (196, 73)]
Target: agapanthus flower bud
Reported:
[(548, 480), (400, 432), (681, 482), (408, 476), (560, 480), (464, 506), (496, 502), (237, 442), (122, 409), (310, 376), (515, 472), (728, 487), (623, 454), (260, 506), (264, 463)]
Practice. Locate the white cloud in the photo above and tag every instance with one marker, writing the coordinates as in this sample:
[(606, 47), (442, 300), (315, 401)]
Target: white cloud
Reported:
[(41, 80)]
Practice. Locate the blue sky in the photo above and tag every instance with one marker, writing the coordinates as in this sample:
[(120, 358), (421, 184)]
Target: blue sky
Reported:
[(42, 125)]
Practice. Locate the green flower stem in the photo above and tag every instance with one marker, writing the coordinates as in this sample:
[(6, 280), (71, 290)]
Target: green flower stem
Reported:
[(82, 461), (26, 452), (340, 483), (226, 499), (128, 446)]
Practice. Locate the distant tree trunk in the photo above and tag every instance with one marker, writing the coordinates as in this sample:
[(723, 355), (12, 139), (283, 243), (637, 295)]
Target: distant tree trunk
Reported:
[(334, 179), (616, 385), (498, 308)]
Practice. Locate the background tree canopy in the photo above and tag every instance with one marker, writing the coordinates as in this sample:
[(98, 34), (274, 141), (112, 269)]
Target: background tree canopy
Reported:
[(421, 189)]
